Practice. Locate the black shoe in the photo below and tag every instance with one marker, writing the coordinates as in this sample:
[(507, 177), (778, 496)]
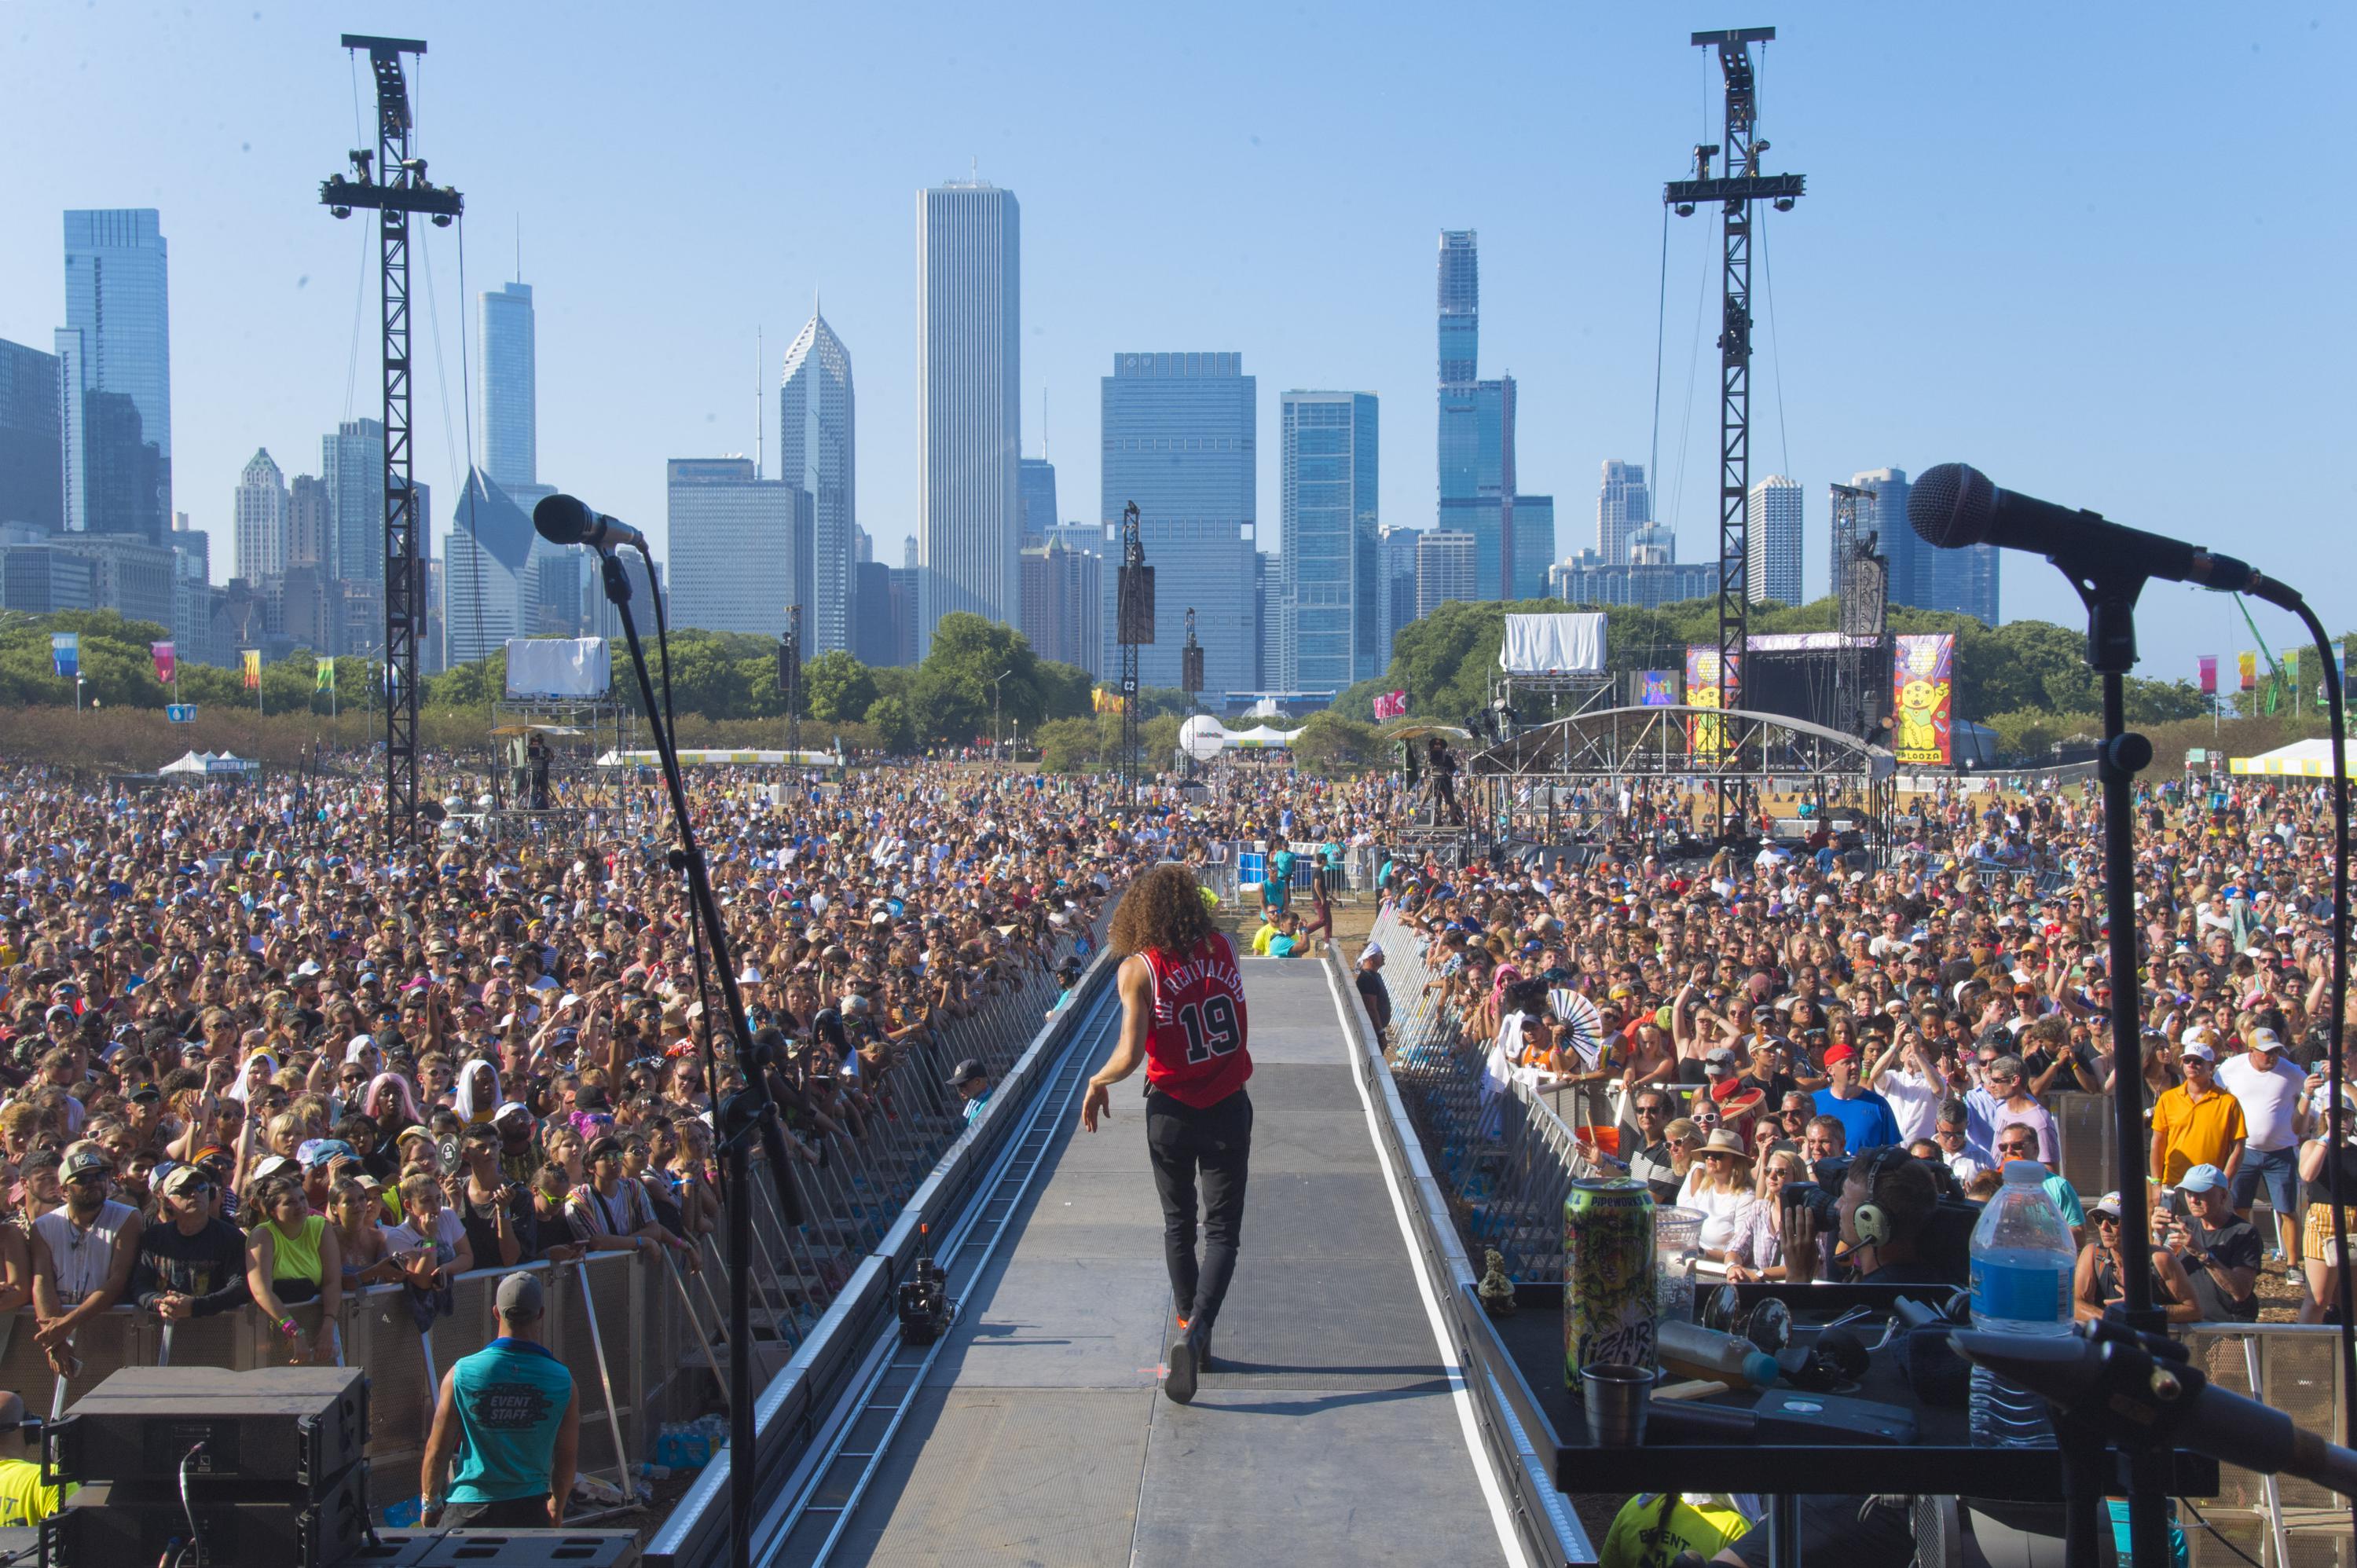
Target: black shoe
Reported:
[(1179, 1378)]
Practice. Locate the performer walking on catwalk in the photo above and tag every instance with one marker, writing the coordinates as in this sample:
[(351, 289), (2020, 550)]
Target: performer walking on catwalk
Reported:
[(1183, 1017)]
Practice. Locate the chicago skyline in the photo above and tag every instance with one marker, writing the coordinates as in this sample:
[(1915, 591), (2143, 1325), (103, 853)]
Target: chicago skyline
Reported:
[(817, 444)]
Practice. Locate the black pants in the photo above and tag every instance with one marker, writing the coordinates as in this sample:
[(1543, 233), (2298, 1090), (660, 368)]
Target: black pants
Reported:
[(513, 1514), (1217, 1141)]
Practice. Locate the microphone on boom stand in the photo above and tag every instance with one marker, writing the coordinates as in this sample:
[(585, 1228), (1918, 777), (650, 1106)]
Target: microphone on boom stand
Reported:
[(749, 1115)]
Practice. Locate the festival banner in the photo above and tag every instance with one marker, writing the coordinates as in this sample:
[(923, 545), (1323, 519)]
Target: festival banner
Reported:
[(2247, 665), (65, 652), (1704, 689), (166, 663), (1391, 705), (1923, 677), (325, 679), (2209, 674), (250, 659), (1657, 688)]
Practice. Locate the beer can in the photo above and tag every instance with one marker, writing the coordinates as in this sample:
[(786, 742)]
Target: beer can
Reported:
[(1607, 1276)]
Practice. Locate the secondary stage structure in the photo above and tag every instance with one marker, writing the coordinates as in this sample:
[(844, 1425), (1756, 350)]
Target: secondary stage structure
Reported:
[(395, 187), (1560, 783)]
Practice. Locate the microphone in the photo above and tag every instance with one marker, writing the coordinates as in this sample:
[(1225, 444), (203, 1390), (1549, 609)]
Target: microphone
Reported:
[(1954, 505), (560, 520)]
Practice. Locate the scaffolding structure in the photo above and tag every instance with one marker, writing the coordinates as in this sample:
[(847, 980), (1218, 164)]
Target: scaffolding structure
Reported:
[(1735, 191), (394, 184)]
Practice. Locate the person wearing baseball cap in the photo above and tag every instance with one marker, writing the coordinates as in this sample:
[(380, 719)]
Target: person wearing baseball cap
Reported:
[(971, 1079), (2220, 1252), (2196, 1122), (2268, 1089), (510, 1415), (1867, 1122)]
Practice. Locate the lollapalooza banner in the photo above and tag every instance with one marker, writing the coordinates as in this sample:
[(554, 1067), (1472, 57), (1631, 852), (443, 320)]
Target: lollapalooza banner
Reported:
[(1922, 677), (1705, 690)]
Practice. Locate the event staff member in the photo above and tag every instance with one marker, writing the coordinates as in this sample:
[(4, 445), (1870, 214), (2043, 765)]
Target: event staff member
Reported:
[(1183, 1015), (510, 1414)]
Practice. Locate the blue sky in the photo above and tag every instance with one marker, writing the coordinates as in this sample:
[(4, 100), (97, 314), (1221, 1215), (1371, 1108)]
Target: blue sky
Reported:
[(2085, 249)]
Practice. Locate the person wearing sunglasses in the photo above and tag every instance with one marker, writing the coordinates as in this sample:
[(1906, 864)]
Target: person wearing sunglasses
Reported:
[(82, 1253), (192, 1262), (2019, 1142), (2098, 1283)]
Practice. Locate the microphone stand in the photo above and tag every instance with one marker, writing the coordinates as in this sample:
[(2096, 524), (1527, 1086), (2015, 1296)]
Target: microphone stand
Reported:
[(2110, 588), (745, 1117)]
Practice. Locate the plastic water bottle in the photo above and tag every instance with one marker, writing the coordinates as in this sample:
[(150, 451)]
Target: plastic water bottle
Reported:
[(2022, 1260)]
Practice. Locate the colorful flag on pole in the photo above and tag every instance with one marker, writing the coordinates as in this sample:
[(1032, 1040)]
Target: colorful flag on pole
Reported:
[(251, 661), (1106, 702), (166, 663), (2246, 664), (65, 651), (2209, 674), (1391, 705), (325, 680), (1922, 679)]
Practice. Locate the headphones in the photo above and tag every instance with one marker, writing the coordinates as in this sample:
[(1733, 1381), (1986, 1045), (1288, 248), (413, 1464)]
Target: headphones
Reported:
[(1874, 1219)]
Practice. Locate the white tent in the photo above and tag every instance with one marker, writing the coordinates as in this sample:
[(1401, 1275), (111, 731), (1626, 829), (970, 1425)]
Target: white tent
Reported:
[(1203, 737), (2301, 759), (207, 763)]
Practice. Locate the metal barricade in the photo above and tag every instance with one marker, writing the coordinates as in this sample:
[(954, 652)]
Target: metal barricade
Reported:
[(2278, 1521), (1502, 1155)]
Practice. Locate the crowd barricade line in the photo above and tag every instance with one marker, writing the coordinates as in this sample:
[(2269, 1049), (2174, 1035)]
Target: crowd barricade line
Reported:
[(2294, 1367)]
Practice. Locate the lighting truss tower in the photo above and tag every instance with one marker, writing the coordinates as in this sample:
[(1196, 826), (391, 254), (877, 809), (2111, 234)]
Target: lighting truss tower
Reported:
[(1861, 597), (1134, 610), (1734, 191), (1190, 660), (396, 186)]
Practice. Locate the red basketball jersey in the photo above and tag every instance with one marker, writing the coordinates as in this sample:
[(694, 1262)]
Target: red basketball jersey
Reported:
[(1196, 1052)]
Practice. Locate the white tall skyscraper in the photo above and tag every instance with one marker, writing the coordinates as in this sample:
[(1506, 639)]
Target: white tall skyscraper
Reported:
[(1771, 566), (511, 387), (262, 520), (1623, 505), (969, 404), (816, 434)]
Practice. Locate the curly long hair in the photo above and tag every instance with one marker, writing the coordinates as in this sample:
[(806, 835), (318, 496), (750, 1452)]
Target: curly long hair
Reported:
[(1163, 910)]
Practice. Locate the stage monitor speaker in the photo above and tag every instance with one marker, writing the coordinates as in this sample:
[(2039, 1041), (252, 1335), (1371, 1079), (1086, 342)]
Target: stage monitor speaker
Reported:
[(293, 1426), (110, 1523)]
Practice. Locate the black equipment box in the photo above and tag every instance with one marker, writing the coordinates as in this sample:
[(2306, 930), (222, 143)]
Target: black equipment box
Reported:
[(110, 1523), (290, 1426)]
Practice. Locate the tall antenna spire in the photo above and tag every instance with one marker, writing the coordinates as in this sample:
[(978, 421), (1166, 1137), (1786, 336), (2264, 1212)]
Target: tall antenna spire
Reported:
[(760, 401), (519, 247), (1043, 422)]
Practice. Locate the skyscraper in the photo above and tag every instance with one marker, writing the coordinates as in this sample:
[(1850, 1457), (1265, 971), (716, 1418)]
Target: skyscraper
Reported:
[(1460, 305), (32, 439), (1035, 496), (1333, 557), (510, 386), (1772, 532), (817, 428), (117, 301), (310, 523), (1063, 602), (1478, 479), (1623, 505), (352, 465), (260, 520), (1398, 583), (969, 404), (738, 543), (1176, 436), (1444, 569), (498, 570)]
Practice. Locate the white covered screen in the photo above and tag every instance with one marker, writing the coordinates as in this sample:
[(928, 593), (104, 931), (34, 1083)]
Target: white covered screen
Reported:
[(558, 667), (1554, 645)]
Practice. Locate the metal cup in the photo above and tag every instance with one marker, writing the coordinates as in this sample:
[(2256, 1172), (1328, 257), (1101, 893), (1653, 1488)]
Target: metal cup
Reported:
[(1617, 1397)]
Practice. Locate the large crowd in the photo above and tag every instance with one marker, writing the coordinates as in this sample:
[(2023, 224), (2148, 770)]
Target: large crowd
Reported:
[(1721, 1023), (256, 1055)]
